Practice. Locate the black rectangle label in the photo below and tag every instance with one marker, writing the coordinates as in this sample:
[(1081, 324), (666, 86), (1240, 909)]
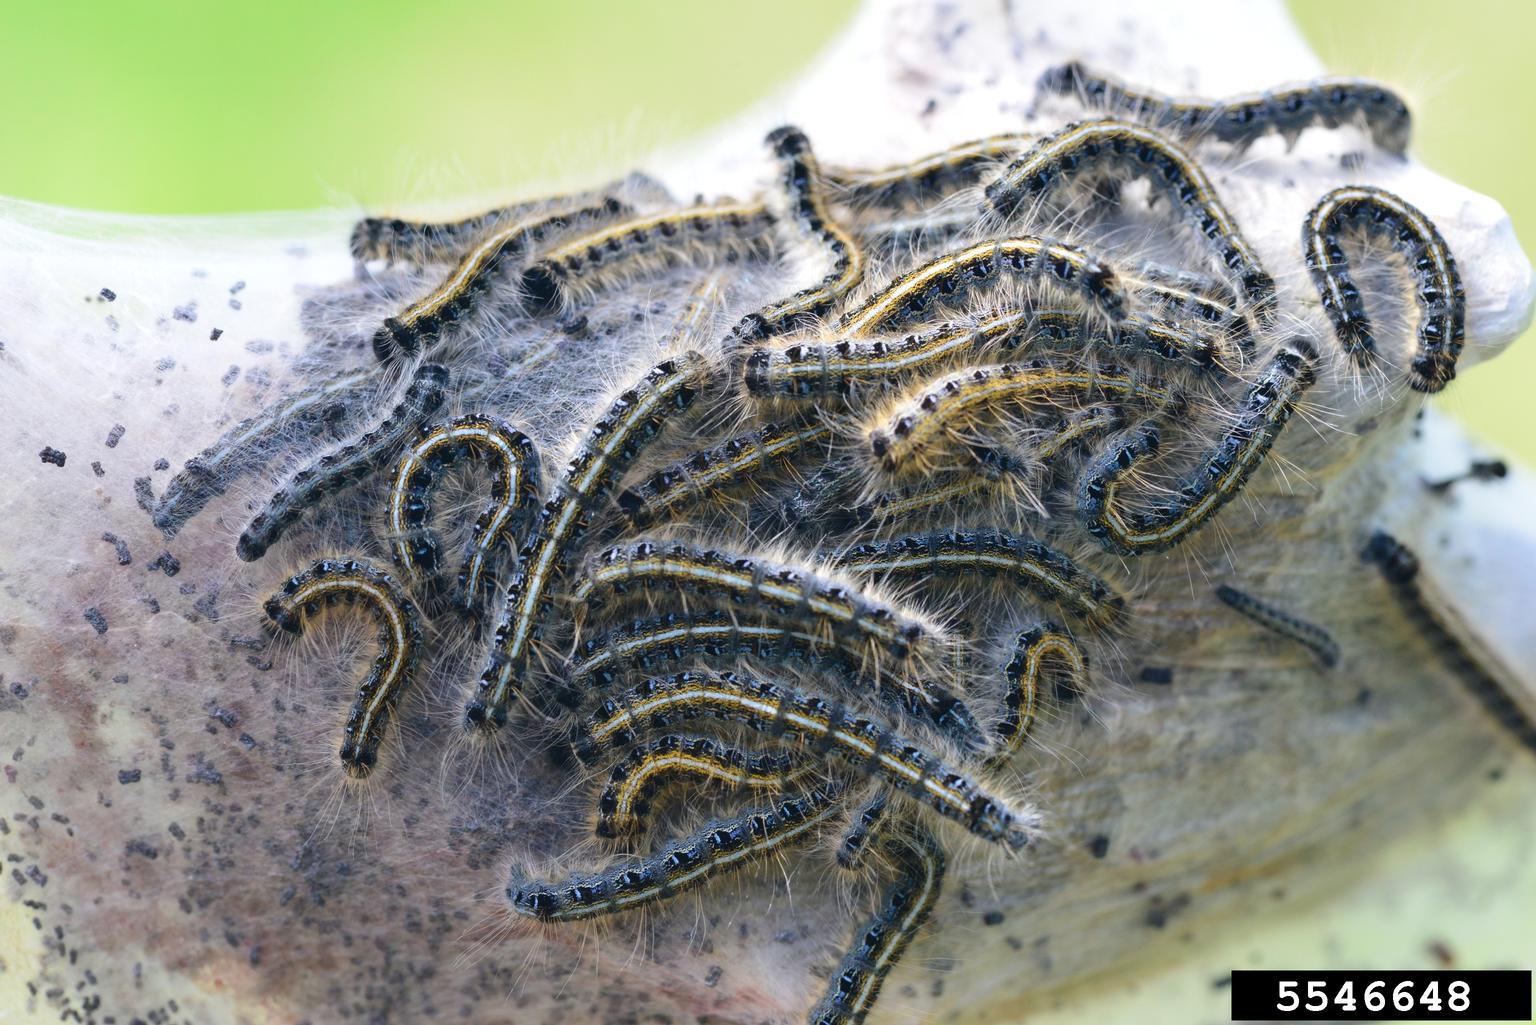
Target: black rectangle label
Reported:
[(1381, 996)]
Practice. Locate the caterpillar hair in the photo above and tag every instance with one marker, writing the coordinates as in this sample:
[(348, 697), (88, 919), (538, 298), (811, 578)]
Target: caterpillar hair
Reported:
[(1399, 567), (1133, 149), (718, 848), (805, 190), (951, 277), (641, 777), (1263, 413), (1437, 288), (344, 467), (423, 322), (634, 419), (514, 489), (1243, 119), (327, 583), (862, 743)]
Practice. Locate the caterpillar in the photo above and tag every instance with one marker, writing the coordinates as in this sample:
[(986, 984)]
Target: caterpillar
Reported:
[(326, 583), (953, 275), (632, 421), (514, 486), (884, 939), (806, 192), (1310, 636), (396, 240), (419, 325), (1018, 561), (1130, 148), (731, 464), (718, 848), (1399, 567), (922, 423), (592, 263), (636, 782), (1437, 287), (862, 743), (1242, 120), (345, 466), (1263, 413)]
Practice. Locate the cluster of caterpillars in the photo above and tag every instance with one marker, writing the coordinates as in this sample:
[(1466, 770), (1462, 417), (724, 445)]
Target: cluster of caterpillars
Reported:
[(732, 578)]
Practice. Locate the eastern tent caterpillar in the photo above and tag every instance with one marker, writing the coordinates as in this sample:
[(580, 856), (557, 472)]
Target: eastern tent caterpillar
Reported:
[(415, 328), (881, 942), (779, 589), (862, 743), (346, 465), (636, 416), (514, 487), (863, 826), (1399, 567), (323, 585), (926, 179), (1042, 643), (1018, 561), (1220, 476), (648, 644), (585, 265), (922, 424), (1243, 119), (953, 275), (641, 776), (718, 848), (395, 240), (805, 189), (1437, 284), (731, 464), (1310, 636), (1133, 149), (251, 443)]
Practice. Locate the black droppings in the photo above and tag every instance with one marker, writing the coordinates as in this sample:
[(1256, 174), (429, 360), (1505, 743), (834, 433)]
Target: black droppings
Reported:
[(166, 562), (993, 917), (230, 375), (1099, 846), (115, 435), (97, 468), (162, 463), (126, 776), (143, 848), (712, 977), (164, 364), (187, 313), (108, 295), (94, 617), (124, 557), (52, 455), (213, 335), (1162, 676), (143, 493)]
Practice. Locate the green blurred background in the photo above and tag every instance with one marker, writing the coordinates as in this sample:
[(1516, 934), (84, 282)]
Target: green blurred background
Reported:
[(173, 106)]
